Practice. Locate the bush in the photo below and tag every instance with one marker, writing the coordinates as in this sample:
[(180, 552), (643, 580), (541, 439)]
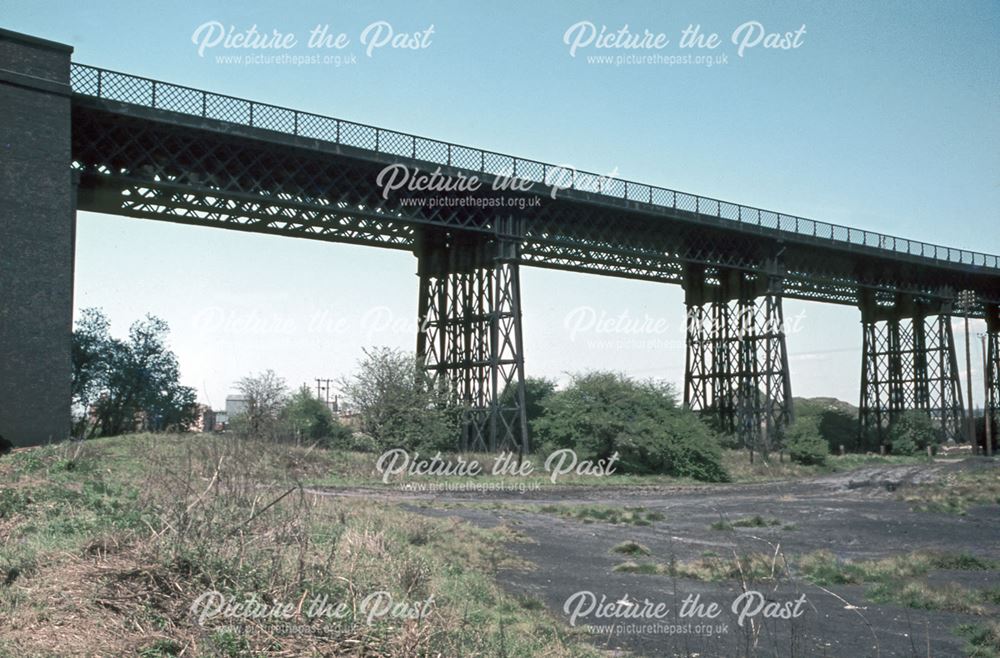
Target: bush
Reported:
[(804, 443), (838, 423), (358, 442), (398, 406), (340, 437), (307, 418), (603, 413), (912, 432), (536, 389), (677, 443)]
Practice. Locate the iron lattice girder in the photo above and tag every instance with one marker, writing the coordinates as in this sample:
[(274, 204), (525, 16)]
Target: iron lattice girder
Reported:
[(199, 171), (737, 362), (908, 363), (162, 100), (469, 337)]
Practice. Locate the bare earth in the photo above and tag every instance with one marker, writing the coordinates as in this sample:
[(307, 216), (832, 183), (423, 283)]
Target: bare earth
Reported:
[(856, 516)]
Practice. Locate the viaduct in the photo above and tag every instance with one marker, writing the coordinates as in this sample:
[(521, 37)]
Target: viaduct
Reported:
[(74, 137)]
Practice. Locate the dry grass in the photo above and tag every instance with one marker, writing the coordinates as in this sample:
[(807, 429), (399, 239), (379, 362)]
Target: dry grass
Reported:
[(737, 464), (900, 579), (615, 515), (746, 568), (824, 568), (631, 548), (639, 567), (956, 492), (749, 567), (104, 551), (756, 521)]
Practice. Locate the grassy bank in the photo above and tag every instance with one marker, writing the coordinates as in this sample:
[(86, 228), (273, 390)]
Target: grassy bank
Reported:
[(104, 546)]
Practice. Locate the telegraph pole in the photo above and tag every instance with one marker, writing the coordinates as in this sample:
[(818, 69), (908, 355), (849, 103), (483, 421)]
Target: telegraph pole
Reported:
[(323, 390)]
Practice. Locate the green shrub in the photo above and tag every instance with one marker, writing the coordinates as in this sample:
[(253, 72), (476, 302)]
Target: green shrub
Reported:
[(359, 442), (838, 423), (804, 443), (536, 389), (307, 418), (912, 433), (338, 435), (399, 406), (676, 443), (602, 413)]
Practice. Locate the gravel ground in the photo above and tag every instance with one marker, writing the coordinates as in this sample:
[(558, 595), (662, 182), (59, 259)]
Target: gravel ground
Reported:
[(855, 515)]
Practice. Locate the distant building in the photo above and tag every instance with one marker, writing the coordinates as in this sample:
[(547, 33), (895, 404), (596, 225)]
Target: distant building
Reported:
[(236, 405), (349, 419), (205, 422)]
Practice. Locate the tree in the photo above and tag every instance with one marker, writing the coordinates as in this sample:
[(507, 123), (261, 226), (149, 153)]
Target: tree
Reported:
[(306, 417), (127, 384), (602, 413), (265, 395), (397, 404), (175, 408), (536, 390), (92, 346)]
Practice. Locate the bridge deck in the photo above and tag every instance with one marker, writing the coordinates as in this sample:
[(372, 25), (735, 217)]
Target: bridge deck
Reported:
[(842, 246)]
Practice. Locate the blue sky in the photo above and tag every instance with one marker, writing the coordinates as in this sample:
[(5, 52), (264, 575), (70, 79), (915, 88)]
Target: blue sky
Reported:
[(886, 117)]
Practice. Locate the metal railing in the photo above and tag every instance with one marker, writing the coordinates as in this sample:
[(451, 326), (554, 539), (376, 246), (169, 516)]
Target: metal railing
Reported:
[(116, 86)]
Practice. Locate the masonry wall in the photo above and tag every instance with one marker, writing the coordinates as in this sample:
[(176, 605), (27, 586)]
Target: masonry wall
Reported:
[(37, 234)]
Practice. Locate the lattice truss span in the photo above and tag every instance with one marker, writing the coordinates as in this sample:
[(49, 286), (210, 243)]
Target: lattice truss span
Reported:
[(908, 363), (737, 362), (209, 171), (147, 169), (128, 168), (469, 339)]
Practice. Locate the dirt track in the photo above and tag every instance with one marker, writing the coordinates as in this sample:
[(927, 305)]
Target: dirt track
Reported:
[(855, 516)]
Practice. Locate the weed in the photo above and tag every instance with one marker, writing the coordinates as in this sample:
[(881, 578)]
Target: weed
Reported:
[(639, 567), (631, 548), (982, 640)]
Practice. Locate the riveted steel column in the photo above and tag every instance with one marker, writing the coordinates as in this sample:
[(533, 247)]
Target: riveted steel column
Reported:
[(737, 362), (993, 369), (908, 363), (469, 340)]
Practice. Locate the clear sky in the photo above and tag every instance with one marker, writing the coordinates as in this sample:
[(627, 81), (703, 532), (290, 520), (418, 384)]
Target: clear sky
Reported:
[(886, 117)]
